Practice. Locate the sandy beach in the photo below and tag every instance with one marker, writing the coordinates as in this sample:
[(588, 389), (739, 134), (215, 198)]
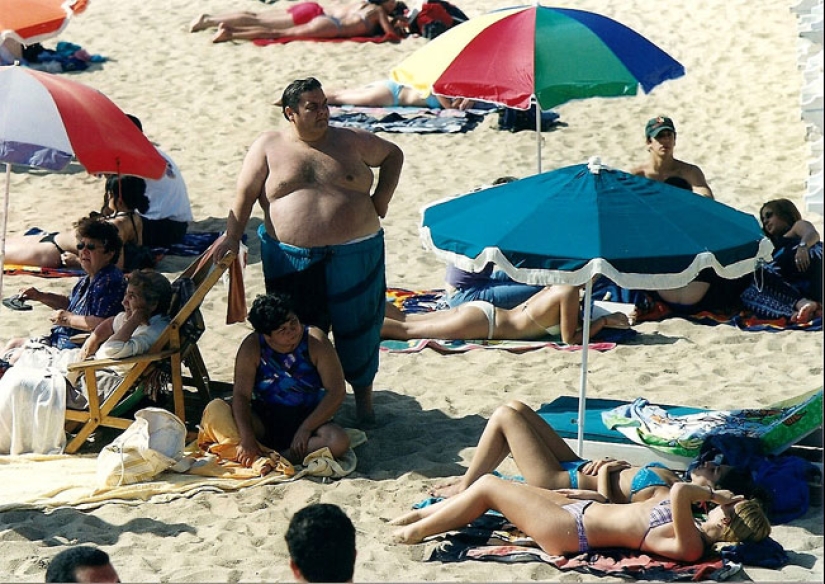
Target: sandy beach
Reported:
[(738, 117)]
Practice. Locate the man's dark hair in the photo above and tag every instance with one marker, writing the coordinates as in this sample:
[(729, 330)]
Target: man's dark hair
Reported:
[(269, 312), (292, 94), (64, 565), (321, 542), (102, 231)]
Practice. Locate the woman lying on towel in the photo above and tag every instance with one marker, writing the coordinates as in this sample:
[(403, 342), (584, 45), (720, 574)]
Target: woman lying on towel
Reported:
[(389, 93), (663, 525), (123, 201), (545, 460), (304, 20), (552, 311), (35, 393)]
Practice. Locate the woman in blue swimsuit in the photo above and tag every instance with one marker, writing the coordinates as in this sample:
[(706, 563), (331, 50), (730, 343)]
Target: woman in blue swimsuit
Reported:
[(663, 525), (545, 460), (288, 385)]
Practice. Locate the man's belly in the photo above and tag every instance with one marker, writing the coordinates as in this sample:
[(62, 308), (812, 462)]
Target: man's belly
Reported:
[(311, 219)]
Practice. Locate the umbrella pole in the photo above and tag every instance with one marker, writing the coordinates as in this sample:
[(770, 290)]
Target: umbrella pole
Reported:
[(4, 226), (538, 132), (588, 294)]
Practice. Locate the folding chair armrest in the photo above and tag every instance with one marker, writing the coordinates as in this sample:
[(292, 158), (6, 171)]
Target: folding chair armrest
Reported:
[(101, 363)]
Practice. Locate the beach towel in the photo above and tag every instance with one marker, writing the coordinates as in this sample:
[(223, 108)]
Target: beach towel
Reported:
[(20, 270), (493, 538), (409, 120), (384, 38), (47, 482), (413, 301), (776, 426)]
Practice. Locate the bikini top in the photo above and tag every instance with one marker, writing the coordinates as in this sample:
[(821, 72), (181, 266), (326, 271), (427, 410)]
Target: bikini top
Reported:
[(661, 514), (647, 477), (550, 330)]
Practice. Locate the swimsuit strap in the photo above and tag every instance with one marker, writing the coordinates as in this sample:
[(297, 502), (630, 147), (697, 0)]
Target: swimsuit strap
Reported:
[(548, 330)]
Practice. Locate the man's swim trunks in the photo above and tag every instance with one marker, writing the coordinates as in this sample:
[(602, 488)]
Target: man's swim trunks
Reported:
[(342, 287), (303, 12)]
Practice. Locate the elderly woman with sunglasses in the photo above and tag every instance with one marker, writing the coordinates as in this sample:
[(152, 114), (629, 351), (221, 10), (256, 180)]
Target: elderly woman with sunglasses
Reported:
[(96, 297)]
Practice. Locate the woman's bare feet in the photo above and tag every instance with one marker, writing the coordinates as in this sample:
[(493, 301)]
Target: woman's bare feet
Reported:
[(617, 320), (806, 311), (447, 489), (407, 518), (224, 34), (406, 535), (201, 22)]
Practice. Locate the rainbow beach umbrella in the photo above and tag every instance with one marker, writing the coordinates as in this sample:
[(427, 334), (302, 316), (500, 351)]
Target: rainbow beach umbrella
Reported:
[(523, 55)]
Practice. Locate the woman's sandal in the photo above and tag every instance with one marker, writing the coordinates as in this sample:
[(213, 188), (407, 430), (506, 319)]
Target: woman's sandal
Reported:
[(16, 303)]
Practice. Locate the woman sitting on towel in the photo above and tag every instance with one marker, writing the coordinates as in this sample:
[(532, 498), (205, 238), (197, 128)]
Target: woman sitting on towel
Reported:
[(31, 385), (124, 200), (663, 525), (288, 385), (797, 260), (304, 20), (545, 460), (552, 311)]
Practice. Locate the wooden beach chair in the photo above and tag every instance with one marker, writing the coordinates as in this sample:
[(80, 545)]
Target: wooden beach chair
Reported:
[(176, 347)]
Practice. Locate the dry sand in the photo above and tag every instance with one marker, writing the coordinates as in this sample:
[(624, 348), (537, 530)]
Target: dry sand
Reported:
[(738, 117)]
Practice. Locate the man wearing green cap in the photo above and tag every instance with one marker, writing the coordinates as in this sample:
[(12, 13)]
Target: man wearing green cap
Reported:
[(660, 134)]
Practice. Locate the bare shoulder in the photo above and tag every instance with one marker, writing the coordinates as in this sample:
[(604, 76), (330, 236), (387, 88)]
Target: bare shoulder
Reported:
[(639, 170), (369, 146), (318, 337)]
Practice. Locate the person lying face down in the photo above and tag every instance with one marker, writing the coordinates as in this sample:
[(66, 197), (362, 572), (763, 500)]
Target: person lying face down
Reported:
[(552, 311)]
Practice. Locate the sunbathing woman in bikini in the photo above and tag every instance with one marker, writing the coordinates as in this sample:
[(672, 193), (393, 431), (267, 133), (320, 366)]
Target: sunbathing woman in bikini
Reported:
[(553, 310), (303, 20), (663, 525), (545, 460), (124, 197)]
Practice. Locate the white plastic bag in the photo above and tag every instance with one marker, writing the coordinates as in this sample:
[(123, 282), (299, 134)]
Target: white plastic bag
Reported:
[(153, 443)]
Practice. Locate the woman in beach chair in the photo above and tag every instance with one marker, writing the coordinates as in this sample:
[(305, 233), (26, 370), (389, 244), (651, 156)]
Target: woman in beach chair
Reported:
[(94, 298), (39, 374), (545, 460), (555, 310), (123, 200), (663, 525), (304, 20)]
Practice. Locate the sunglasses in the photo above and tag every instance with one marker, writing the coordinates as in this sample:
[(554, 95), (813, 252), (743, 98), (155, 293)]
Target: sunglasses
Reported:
[(90, 246)]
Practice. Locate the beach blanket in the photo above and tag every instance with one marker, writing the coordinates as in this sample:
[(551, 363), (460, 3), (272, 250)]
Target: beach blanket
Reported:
[(20, 270), (410, 120), (493, 538), (48, 482), (413, 301), (777, 426), (384, 38)]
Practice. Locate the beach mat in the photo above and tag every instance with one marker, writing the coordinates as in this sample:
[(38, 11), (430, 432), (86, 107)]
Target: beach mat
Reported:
[(385, 38), (20, 270), (407, 120)]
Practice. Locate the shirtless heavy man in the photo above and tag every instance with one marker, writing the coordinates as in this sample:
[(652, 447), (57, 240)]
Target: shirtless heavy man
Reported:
[(321, 240), (660, 134)]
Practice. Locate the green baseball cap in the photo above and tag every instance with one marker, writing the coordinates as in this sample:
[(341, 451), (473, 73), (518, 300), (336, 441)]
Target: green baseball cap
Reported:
[(658, 124)]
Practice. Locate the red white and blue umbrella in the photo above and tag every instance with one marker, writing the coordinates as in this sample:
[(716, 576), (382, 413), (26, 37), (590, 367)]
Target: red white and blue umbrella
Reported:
[(519, 56)]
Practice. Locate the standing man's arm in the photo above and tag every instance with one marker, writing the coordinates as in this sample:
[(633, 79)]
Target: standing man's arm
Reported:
[(249, 188), (389, 159)]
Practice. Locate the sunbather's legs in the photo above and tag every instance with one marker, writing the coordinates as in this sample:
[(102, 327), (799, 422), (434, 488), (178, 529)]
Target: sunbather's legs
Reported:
[(269, 19), (374, 94), (318, 27), (535, 511), (537, 450), (462, 322)]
